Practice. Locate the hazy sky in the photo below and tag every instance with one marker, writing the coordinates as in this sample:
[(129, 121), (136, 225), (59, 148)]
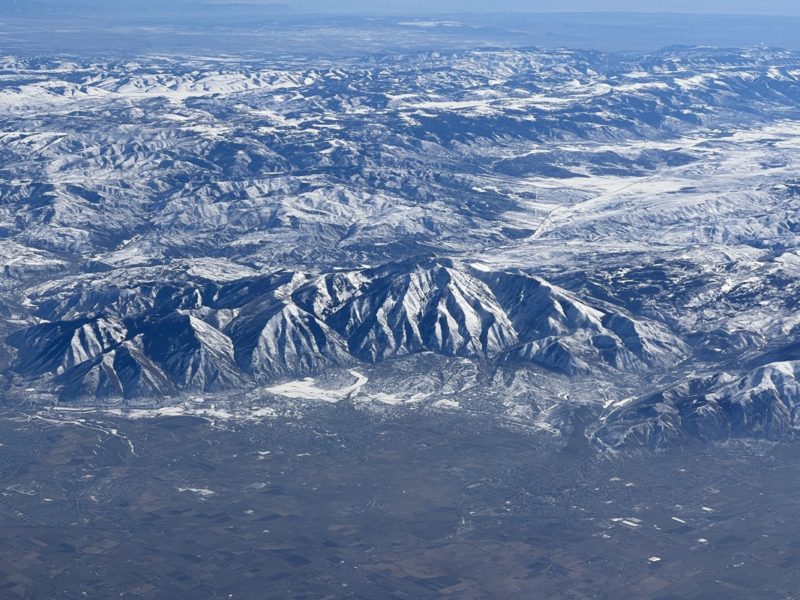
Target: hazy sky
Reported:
[(420, 7), (785, 7)]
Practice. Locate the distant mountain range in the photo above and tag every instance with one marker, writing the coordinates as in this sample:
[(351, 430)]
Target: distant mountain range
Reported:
[(527, 234)]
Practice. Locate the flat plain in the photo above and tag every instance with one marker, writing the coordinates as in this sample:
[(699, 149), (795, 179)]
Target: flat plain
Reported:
[(343, 504)]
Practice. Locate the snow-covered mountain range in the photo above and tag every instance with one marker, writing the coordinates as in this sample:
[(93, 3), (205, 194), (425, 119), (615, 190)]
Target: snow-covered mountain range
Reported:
[(529, 234)]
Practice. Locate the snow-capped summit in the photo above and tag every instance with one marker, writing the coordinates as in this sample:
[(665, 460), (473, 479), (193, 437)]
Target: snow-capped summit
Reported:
[(529, 232)]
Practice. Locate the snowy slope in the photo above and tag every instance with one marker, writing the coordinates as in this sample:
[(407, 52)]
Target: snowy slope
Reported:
[(526, 233)]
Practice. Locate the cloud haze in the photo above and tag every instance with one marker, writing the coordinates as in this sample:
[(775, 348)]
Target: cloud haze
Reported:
[(726, 7), (775, 7)]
